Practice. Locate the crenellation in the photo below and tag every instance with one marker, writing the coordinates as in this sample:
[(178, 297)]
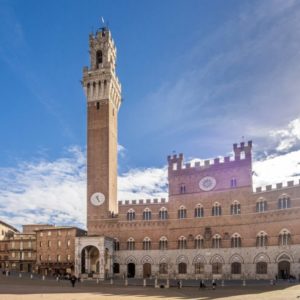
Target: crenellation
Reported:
[(142, 201), (277, 186)]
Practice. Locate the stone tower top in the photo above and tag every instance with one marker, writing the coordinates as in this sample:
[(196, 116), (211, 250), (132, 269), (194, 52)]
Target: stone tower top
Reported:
[(100, 81)]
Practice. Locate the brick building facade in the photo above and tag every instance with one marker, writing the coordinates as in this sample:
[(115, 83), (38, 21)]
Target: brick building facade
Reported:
[(212, 225)]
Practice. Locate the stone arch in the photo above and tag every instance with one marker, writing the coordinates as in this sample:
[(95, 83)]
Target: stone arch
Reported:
[(261, 257), (217, 259), (147, 259), (131, 259), (199, 259), (164, 259), (182, 259), (117, 259), (236, 258), (284, 256)]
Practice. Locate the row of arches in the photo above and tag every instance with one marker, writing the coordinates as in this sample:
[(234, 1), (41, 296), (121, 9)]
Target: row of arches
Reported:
[(199, 263), (262, 239), (284, 202)]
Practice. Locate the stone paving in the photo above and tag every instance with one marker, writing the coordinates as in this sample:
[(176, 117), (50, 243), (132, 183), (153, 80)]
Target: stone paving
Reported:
[(25, 289)]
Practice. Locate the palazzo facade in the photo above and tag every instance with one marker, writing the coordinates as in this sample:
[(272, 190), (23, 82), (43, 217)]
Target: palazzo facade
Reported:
[(211, 226)]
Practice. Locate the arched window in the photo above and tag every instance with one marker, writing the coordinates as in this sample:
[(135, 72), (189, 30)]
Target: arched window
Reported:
[(284, 202), (236, 241), (182, 212), (147, 214), (216, 241), (199, 242), (284, 237), (261, 205), (146, 244), (233, 182), (261, 267), (199, 212), (182, 268), (261, 239), (163, 243), (163, 213), (130, 244), (116, 244), (99, 58), (216, 209), (235, 208), (217, 268), (199, 268), (236, 268), (242, 155), (131, 215), (163, 268), (182, 243), (182, 188)]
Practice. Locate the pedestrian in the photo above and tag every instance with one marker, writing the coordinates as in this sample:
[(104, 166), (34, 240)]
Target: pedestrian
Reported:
[(213, 284), (73, 280), (178, 284)]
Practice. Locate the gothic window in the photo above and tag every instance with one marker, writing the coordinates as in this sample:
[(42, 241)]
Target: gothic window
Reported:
[(216, 209), (147, 214), (163, 213), (261, 205), (216, 268), (182, 243), (163, 243), (199, 212), (199, 268), (182, 212), (284, 237), (284, 202), (116, 244), (261, 267), (199, 242), (236, 241), (130, 244), (233, 182), (235, 208), (182, 268), (163, 268), (99, 58), (146, 244), (236, 268), (131, 215), (216, 241), (261, 239), (182, 189)]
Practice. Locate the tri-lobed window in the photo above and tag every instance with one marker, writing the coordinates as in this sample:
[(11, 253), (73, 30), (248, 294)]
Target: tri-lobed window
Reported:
[(216, 242), (284, 202)]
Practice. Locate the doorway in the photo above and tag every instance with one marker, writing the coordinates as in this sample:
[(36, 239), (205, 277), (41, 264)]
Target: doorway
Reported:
[(284, 269), (146, 270), (130, 270)]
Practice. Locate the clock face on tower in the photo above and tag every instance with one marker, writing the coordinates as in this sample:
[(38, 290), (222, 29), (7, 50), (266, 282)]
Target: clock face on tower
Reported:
[(207, 183), (97, 199)]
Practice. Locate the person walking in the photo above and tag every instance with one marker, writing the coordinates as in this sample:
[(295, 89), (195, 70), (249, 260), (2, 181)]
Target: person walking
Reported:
[(73, 280), (214, 284)]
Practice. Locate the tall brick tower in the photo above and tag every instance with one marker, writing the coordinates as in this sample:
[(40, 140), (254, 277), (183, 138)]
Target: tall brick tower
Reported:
[(103, 92)]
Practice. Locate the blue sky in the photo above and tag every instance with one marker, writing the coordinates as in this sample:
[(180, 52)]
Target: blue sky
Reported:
[(197, 76)]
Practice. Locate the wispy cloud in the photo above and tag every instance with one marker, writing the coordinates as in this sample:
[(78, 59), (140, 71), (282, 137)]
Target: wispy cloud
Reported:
[(240, 80)]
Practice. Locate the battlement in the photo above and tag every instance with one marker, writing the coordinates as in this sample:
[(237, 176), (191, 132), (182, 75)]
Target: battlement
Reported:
[(277, 186), (241, 152), (143, 201)]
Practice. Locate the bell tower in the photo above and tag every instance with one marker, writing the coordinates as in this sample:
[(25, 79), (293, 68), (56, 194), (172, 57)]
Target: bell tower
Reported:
[(103, 93)]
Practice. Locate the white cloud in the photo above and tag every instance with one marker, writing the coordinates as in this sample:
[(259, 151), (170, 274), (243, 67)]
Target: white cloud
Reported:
[(277, 169), (289, 137)]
